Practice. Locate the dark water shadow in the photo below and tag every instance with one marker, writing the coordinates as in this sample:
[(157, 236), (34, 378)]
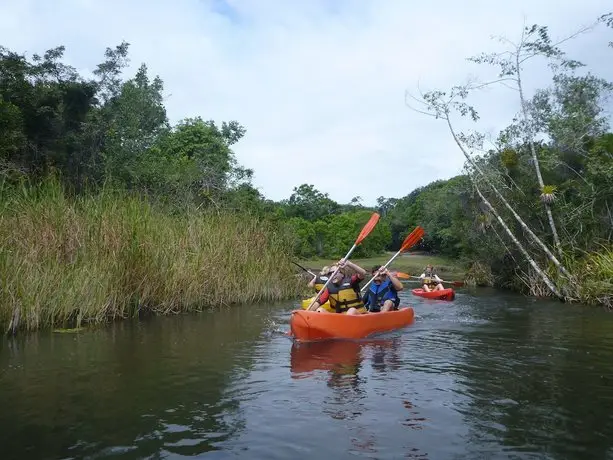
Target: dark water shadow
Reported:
[(131, 390)]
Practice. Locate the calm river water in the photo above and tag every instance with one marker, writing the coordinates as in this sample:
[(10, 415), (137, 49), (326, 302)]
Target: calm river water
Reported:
[(489, 376)]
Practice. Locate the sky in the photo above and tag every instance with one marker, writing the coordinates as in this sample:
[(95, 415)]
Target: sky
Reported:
[(319, 85)]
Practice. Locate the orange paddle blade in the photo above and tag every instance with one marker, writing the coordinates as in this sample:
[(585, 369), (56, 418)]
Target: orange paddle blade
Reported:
[(402, 275), (413, 238), (368, 228)]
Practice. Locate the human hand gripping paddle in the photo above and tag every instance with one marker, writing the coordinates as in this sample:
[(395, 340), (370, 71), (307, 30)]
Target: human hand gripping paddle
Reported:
[(411, 240), (372, 222)]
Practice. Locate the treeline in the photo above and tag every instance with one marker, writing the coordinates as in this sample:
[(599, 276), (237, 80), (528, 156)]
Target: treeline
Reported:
[(109, 132), (106, 130)]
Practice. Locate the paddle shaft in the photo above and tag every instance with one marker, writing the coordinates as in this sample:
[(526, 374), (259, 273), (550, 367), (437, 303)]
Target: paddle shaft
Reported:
[(456, 283), (308, 271), (355, 245)]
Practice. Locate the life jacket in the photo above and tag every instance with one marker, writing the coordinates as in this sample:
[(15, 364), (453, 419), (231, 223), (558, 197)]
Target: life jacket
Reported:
[(429, 278), (377, 292), (344, 296), (320, 281)]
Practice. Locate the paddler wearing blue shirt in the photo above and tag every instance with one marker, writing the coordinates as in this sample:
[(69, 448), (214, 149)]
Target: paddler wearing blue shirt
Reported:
[(382, 293)]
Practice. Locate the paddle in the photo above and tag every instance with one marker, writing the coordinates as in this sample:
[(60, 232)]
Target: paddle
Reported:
[(363, 234), (455, 283), (401, 275), (306, 270), (411, 240)]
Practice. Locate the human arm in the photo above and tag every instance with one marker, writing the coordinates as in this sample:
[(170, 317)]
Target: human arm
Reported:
[(359, 270), (312, 282), (395, 281)]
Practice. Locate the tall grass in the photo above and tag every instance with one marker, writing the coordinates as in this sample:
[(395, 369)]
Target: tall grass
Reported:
[(593, 273), (67, 261), (479, 274), (596, 278)]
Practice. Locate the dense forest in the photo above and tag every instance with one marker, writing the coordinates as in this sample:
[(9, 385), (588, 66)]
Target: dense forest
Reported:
[(531, 211)]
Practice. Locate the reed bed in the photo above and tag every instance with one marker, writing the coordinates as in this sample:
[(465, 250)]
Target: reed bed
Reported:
[(596, 276), (68, 261)]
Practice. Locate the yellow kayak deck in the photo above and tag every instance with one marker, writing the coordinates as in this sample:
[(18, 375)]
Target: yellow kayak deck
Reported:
[(326, 306)]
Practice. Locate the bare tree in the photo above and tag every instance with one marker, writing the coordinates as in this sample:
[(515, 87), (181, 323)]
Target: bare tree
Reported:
[(534, 42), (548, 282), (440, 105)]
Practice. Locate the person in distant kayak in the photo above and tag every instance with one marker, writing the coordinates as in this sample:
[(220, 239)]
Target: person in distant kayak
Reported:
[(319, 281), (382, 294), (343, 291), (431, 281)]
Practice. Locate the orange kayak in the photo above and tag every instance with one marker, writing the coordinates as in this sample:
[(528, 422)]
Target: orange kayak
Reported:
[(445, 294), (310, 325)]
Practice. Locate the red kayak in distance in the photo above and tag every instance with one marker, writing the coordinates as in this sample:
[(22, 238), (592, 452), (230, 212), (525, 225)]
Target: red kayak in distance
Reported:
[(445, 294)]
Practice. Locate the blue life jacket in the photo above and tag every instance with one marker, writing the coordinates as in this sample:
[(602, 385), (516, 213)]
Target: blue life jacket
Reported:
[(377, 294)]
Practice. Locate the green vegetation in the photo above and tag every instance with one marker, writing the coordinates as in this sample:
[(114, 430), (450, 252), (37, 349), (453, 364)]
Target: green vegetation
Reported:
[(109, 211), (533, 211), (109, 255)]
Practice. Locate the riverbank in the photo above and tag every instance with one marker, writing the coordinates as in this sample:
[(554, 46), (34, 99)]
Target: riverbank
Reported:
[(65, 262)]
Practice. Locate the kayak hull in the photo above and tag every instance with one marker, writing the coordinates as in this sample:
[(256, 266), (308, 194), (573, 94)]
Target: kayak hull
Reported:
[(309, 326), (326, 306), (445, 294)]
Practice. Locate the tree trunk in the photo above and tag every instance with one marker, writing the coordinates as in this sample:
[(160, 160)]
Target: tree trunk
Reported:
[(509, 207), (537, 168), (530, 260)]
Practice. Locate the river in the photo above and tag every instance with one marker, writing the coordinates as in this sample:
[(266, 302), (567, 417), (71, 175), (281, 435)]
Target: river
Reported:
[(489, 375)]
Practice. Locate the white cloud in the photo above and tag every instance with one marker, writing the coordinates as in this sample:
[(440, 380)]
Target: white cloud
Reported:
[(319, 84)]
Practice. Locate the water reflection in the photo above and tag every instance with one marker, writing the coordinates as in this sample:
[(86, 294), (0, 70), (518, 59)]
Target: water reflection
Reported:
[(532, 379), (349, 369), (135, 388)]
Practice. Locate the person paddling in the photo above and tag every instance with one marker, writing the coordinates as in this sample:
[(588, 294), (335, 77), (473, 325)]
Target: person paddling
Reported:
[(382, 294), (318, 281), (343, 291), (431, 280)]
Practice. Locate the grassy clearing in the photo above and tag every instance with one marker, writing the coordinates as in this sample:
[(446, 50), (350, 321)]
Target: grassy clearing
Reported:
[(65, 262), (412, 263)]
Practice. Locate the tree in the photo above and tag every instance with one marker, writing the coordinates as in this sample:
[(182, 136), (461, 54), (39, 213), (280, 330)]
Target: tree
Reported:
[(136, 118), (43, 107), (607, 19), (311, 204), (440, 105), (534, 42)]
